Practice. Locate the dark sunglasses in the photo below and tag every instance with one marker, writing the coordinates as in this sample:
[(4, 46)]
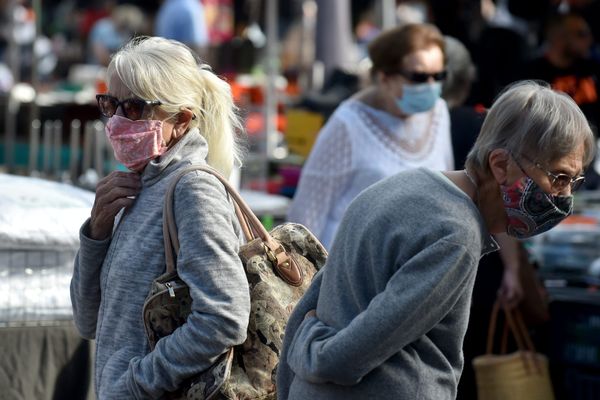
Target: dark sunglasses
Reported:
[(558, 182), (132, 108), (422, 77)]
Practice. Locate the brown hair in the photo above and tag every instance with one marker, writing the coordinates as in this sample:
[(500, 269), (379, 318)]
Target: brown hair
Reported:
[(387, 51)]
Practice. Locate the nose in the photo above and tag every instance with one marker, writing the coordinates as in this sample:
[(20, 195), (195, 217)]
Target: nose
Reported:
[(566, 191), (119, 111)]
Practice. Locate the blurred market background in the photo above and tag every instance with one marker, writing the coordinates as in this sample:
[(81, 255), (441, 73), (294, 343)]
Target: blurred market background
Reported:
[(289, 63)]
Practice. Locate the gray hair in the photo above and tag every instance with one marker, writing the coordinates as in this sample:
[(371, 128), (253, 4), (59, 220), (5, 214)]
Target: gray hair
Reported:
[(529, 118), (154, 68), (461, 72)]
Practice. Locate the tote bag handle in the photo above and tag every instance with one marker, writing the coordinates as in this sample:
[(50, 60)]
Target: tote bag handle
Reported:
[(514, 323), (252, 228)]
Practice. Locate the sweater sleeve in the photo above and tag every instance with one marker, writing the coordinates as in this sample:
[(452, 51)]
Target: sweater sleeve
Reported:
[(85, 283), (308, 302), (208, 262), (419, 295), (324, 178)]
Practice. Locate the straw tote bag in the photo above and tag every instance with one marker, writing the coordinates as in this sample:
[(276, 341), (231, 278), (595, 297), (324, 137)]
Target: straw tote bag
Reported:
[(522, 375)]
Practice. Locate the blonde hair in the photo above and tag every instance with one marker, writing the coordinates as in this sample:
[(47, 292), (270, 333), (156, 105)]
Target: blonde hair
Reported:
[(166, 70), (531, 119)]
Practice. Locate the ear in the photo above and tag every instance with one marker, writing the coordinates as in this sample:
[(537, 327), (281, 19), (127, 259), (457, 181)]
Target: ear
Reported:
[(382, 77), (182, 121), (498, 160)]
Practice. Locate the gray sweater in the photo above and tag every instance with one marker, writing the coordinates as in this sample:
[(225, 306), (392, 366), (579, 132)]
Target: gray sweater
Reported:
[(112, 278), (393, 299)]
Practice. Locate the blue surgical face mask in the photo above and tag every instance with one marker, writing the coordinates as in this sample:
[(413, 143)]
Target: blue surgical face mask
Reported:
[(418, 98)]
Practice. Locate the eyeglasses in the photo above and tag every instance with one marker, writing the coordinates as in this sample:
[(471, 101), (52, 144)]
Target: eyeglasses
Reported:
[(558, 182), (132, 108), (422, 77)]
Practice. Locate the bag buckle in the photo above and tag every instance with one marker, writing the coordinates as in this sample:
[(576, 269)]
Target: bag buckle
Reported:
[(270, 254)]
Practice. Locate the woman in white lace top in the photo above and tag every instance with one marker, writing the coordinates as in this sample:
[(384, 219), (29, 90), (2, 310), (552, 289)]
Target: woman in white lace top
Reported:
[(397, 123)]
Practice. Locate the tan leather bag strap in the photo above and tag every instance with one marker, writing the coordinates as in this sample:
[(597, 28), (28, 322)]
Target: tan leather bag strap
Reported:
[(504, 342), (492, 328), (245, 225), (515, 323), (252, 228)]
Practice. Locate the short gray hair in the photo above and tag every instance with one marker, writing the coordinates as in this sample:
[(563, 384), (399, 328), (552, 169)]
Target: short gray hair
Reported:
[(529, 118)]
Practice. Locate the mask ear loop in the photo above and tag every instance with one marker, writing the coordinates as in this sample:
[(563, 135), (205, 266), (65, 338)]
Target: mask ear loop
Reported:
[(474, 182), (176, 136)]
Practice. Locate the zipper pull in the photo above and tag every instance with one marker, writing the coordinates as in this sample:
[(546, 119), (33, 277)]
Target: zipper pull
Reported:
[(170, 288)]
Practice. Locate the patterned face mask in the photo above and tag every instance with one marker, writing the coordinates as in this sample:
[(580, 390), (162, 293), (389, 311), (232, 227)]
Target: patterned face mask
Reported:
[(135, 143), (530, 211)]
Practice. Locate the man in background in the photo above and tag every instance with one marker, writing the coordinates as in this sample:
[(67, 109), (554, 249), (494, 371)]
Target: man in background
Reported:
[(566, 63)]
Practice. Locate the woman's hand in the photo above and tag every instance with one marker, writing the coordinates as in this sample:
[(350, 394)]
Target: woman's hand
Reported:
[(511, 291), (113, 192)]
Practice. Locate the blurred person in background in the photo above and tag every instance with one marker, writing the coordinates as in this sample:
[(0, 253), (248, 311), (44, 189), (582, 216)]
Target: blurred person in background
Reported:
[(590, 10), (567, 66), (500, 50), (167, 111), (398, 122), (566, 63), (6, 79), (184, 21), (109, 34), (386, 317), (465, 120), (498, 272)]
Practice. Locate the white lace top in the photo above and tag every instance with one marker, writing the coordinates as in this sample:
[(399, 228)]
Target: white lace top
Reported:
[(359, 146)]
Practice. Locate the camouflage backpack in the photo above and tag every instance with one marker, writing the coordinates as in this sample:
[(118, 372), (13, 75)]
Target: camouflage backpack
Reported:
[(279, 266)]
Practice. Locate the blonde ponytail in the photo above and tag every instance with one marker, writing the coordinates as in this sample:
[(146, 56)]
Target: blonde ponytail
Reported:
[(219, 123)]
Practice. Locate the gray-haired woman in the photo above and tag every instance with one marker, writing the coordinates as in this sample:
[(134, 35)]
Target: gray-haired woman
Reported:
[(387, 315), (166, 111)]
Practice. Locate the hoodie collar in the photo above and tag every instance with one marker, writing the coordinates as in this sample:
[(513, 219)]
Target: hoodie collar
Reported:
[(191, 148), (488, 243)]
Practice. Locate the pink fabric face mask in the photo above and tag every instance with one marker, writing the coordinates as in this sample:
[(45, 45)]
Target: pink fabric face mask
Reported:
[(135, 143)]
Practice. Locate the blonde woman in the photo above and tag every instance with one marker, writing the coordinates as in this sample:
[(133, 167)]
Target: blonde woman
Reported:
[(166, 111)]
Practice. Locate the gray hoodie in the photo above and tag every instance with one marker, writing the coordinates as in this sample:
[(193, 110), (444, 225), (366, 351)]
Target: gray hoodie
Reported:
[(393, 299), (112, 278)]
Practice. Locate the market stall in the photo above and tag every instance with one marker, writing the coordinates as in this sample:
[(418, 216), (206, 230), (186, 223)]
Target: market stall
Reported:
[(43, 355), (569, 265)]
